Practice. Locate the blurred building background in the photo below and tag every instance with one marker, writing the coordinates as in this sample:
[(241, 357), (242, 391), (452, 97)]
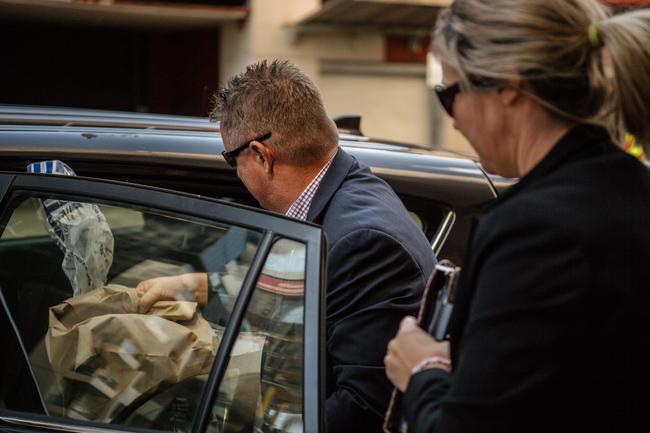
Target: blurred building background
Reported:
[(169, 56)]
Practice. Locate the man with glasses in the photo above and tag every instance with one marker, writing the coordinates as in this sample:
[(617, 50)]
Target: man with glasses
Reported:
[(285, 148)]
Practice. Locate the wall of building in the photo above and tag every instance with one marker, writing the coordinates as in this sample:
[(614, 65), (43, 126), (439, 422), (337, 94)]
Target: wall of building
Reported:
[(393, 105), (348, 67)]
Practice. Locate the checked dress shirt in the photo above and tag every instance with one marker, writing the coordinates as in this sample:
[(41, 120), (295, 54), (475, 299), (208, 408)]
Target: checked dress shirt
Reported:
[(300, 207)]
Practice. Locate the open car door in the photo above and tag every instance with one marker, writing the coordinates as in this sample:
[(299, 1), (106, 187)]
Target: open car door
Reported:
[(244, 355)]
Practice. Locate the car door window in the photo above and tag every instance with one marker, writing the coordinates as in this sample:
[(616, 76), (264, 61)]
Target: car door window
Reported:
[(94, 358), (268, 353), (112, 363)]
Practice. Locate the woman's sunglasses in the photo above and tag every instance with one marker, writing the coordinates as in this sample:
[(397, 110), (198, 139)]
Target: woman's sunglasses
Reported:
[(447, 95)]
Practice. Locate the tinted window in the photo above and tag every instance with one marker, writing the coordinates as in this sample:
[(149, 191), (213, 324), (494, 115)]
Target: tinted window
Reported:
[(68, 274), (268, 353), (426, 214), (76, 344)]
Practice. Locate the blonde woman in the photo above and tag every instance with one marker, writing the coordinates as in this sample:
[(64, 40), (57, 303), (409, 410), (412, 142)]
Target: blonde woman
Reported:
[(550, 329)]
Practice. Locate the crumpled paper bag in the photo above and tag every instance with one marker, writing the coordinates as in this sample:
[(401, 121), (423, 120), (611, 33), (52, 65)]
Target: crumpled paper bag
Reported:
[(107, 355)]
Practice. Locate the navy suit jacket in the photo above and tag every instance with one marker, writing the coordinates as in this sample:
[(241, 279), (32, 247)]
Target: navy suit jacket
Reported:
[(378, 264)]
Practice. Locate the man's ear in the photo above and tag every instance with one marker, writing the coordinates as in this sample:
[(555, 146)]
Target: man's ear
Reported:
[(263, 155)]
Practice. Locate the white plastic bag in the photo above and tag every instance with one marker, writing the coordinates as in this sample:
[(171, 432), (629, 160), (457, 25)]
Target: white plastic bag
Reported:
[(81, 232)]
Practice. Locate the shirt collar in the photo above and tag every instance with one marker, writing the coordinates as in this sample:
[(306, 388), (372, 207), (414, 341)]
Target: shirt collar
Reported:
[(300, 207)]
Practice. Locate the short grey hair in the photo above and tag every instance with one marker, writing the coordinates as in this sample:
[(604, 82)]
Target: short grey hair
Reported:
[(557, 47), (276, 97)]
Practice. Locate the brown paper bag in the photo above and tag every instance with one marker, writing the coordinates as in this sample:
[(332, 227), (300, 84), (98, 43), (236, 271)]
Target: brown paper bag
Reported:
[(106, 356)]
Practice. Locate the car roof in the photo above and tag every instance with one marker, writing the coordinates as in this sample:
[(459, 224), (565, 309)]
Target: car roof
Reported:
[(14, 116), (61, 116), (35, 132)]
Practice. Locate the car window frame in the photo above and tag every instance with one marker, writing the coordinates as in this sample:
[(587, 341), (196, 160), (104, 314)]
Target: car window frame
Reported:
[(272, 226)]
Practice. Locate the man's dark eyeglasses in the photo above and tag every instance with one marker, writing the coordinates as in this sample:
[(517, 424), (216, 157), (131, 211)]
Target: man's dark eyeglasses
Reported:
[(231, 155), (447, 95)]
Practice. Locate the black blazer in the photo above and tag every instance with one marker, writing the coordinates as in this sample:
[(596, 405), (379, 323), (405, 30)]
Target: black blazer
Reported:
[(378, 263), (552, 306)]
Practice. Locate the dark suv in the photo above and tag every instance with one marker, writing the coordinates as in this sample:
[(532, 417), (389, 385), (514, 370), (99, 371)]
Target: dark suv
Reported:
[(152, 198)]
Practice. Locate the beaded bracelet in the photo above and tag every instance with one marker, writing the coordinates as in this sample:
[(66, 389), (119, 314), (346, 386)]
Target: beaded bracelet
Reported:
[(443, 364)]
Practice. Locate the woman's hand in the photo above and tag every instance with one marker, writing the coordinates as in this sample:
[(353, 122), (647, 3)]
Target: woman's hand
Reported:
[(183, 287), (410, 346)]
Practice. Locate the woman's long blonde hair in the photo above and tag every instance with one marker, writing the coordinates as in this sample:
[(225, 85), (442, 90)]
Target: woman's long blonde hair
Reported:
[(578, 59)]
